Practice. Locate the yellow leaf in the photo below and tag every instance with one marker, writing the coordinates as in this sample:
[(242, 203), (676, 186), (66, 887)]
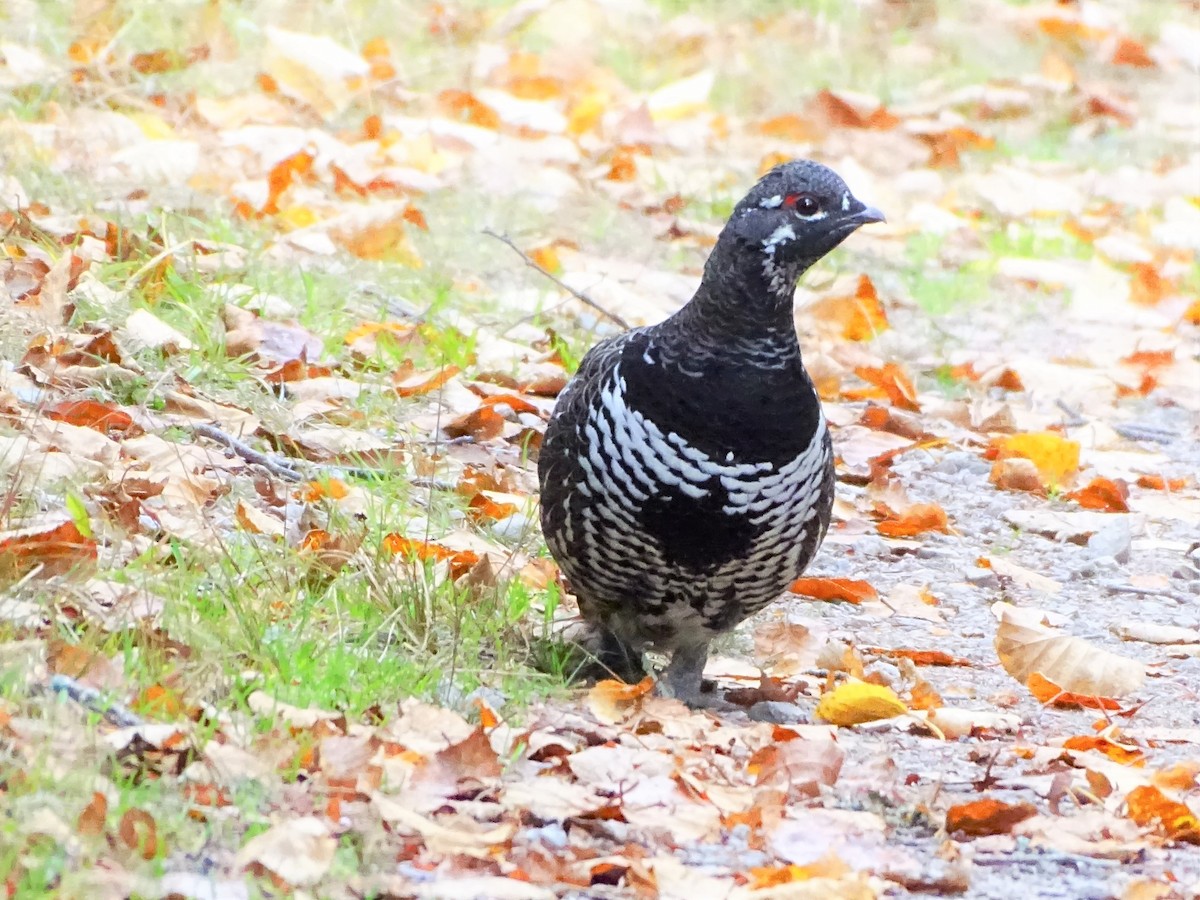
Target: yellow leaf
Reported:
[(857, 701), (154, 127), (1056, 457), (293, 217)]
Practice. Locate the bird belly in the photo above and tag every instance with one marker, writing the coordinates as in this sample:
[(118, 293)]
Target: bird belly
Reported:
[(667, 546)]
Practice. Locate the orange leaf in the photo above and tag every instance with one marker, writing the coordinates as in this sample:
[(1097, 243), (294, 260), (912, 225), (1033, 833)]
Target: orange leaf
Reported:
[(57, 549), (1103, 493), (917, 519), (102, 417), (1050, 694), (424, 382), (466, 107), (460, 560), (894, 382), (1159, 483), (1147, 287), (481, 424), (860, 315), (841, 114), (788, 128), (1150, 807), (1131, 53), (987, 816), (845, 589), (623, 166), (1124, 754), (920, 657), (485, 508), (332, 488), (609, 700), (282, 176), (1192, 314)]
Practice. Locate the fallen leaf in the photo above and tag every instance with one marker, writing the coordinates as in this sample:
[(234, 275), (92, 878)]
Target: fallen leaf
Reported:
[(1149, 807), (856, 702), (917, 519), (987, 816), (611, 701), (845, 589), (1103, 493), (1069, 662), (296, 851), (1056, 457)]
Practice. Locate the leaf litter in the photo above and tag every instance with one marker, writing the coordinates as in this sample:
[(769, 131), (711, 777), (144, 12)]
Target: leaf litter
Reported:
[(1009, 368)]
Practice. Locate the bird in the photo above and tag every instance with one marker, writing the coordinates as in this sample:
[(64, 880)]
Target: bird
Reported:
[(686, 471)]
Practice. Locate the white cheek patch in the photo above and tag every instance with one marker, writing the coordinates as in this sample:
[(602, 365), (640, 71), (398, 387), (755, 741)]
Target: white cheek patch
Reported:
[(846, 202), (772, 202), (778, 236)]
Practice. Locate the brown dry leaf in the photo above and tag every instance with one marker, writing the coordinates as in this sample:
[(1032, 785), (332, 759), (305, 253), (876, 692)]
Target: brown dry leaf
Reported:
[(1103, 493), (1069, 662), (1017, 474), (1056, 457), (91, 822), (481, 424), (801, 765), (139, 833), (296, 851), (856, 702), (860, 315), (314, 69), (611, 701), (1150, 807), (254, 520), (845, 589), (987, 816)]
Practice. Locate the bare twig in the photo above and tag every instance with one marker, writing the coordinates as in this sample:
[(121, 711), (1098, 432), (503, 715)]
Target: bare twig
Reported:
[(581, 297), (116, 713), (1074, 419), (1119, 588), (272, 464), (1135, 432)]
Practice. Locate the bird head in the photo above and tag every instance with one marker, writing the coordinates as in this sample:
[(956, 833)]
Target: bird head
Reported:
[(797, 213)]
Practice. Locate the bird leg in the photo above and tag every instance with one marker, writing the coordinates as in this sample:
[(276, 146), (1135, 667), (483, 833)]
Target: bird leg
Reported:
[(619, 659), (682, 677)]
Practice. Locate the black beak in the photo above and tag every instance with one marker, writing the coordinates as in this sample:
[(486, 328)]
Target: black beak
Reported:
[(867, 215)]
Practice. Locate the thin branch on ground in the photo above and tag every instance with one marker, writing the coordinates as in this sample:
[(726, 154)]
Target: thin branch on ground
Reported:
[(272, 464), (578, 295)]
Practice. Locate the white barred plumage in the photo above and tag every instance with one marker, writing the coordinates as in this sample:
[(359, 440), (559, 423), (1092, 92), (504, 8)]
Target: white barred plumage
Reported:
[(687, 472)]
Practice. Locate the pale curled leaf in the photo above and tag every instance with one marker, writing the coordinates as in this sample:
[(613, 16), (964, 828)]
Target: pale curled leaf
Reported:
[(1070, 662)]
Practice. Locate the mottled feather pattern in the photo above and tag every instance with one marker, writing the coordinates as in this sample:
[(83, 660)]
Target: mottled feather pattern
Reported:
[(687, 471)]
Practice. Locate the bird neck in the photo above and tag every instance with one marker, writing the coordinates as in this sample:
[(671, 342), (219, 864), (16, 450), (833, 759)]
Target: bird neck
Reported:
[(743, 307)]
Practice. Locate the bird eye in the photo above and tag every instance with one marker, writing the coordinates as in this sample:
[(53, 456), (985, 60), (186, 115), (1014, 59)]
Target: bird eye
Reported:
[(807, 205)]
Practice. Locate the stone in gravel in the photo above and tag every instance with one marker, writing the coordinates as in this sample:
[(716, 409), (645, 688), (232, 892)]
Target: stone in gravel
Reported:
[(777, 712), (1112, 541), (1073, 527)]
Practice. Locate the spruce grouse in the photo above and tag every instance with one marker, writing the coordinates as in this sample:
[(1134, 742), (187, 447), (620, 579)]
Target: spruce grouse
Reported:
[(687, 472)]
